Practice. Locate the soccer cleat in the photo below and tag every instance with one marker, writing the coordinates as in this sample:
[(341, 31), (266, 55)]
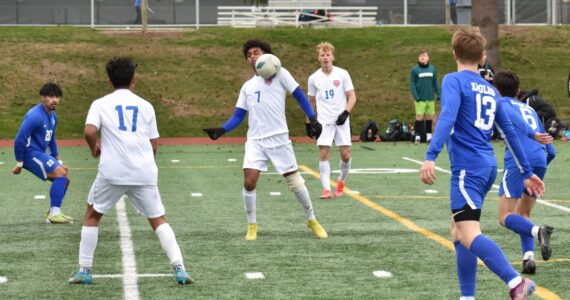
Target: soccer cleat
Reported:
[(326, 194), (81, 278), (544, 233), (183, 278), (46, 214), (523, 290), (251, 232), (339, 188), (528, 266), (318, 230), (58, 219)]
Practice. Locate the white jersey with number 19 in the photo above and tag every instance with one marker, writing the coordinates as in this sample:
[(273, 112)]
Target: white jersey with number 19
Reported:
[(127, 123), (264, 100), (330, 93)]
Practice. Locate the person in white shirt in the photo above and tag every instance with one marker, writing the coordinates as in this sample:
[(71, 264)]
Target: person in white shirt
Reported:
[(268, 135), (332, 89), (129, 140)]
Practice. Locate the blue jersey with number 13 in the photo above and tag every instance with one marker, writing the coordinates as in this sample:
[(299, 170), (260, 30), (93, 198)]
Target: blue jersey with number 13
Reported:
[(470, 107)]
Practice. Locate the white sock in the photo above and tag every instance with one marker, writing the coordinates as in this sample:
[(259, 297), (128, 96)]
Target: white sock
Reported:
[(54, 211), (325, 170), (428, 136), (514, 282), (305, 201), (467, 298), (87, 245), (528, 255), (344, 169), (169, 244), (249, 204), (534, 231)]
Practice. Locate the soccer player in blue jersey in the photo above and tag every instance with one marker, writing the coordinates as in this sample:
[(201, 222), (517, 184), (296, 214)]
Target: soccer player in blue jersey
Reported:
[(470, 106), (514, 204), (35, 137)]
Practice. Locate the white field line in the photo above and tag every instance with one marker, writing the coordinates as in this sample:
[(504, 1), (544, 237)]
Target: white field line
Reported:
[(543, 202), (130, 287), (139, 275)]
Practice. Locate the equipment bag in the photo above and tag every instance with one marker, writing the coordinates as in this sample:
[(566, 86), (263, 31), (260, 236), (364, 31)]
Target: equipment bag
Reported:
[(369, 131)]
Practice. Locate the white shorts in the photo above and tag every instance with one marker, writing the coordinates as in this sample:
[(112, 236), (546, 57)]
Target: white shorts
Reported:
[(259, 152), (145, 198), (339, 134)]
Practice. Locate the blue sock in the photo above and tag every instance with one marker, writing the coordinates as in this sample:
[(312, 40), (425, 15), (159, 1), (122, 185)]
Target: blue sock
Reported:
[(519, 224), (57, 191), (466, 269), (527, 244), (493, 257)]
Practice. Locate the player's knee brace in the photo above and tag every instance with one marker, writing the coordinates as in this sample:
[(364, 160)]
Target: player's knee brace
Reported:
[(295, 182)]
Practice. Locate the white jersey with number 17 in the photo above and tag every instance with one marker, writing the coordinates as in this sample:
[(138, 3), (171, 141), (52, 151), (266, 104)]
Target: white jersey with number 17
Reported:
[(264, 100), (127, 122), (330, 93)]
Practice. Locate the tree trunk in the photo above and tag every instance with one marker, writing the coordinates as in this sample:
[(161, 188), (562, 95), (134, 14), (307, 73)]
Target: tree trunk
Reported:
[(485, 15)]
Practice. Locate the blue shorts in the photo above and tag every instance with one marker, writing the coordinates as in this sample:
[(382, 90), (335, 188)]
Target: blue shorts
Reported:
[(470, 186), (512, 185), (40, 164)]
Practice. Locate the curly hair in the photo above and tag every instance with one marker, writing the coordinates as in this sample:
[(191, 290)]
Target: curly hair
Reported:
[(256, 43)]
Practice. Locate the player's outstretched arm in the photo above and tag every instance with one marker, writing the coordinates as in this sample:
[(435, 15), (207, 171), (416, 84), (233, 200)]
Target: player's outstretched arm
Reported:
[(90, 133), (231, 124)]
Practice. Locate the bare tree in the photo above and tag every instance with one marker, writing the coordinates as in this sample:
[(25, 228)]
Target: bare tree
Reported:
[(485, 15)]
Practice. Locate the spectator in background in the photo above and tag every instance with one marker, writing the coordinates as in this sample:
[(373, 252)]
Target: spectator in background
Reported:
[(138, 20), (486, 70), (424, 84), (453, 11)]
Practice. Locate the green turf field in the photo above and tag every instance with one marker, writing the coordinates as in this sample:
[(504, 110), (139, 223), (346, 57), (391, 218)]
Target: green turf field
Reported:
[(37, 258)]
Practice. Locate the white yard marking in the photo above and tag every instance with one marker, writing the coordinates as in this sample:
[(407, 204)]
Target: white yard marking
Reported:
[(382, 274), (254, 275), (379, 171), (3, 279), (139, 275), (196, 194), (232, 159), (39, 197), (275, 193), (175, 160), (1, 162), (130, 286), (543, 202), (354, 192), (430, 191)]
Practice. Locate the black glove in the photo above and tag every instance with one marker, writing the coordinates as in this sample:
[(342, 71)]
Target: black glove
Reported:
[(314, 128), (342, 118), (215, 133)]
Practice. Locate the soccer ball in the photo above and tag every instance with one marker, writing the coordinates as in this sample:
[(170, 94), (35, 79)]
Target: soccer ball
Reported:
[(267, 66)]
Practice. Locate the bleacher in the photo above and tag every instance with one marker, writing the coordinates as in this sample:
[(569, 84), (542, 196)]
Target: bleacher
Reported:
[(298, 14)]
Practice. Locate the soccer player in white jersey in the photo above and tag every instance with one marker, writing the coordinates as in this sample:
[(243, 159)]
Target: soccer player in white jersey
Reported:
[(268, 135), (129, 140), (332, 88)]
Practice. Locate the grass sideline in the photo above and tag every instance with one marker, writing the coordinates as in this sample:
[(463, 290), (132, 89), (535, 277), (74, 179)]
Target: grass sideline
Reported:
[(38, 258), (193, 77)]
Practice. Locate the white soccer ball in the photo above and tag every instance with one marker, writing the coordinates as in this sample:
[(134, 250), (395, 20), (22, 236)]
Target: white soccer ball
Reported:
[(267, 66)]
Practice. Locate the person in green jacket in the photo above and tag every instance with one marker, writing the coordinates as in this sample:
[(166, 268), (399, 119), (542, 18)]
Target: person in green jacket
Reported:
[(424, 84)]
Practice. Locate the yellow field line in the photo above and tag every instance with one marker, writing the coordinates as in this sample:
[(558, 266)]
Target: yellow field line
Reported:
[(540, 291), (411, 197)]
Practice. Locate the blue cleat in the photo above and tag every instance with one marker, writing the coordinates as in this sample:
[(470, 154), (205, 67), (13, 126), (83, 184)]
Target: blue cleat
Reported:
[(183, 278), (81, 278)]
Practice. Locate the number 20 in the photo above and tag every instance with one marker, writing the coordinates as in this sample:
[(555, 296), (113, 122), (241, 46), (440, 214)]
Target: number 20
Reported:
[(119, 109)]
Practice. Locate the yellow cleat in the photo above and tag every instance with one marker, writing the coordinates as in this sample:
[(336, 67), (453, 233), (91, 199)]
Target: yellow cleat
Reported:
[(251, 232), (65, 216), (318, 230), (58, 219)]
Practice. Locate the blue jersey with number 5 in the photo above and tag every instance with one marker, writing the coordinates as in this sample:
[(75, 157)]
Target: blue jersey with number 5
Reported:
[(527, 123), (469, 108)]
